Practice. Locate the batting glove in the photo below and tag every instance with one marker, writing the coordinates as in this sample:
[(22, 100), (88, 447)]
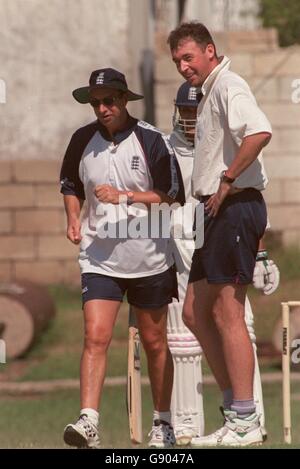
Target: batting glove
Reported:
[(266, 274)]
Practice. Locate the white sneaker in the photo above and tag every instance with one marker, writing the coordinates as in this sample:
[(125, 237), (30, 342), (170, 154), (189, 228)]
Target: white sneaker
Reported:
[(235, 432), (82, 434), (162, 435)]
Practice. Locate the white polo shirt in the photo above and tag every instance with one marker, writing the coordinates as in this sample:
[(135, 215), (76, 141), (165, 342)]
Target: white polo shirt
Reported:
[(139, 159), (226, 114)]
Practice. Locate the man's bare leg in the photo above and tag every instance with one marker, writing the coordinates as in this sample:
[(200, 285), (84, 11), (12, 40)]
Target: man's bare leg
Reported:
[(152, 325), (227, 344), (197, 315), (229, 317), (99, 320), (216, 315)]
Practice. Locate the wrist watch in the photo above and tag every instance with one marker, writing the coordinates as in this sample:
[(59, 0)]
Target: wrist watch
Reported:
[(225, 178), (130, 196)]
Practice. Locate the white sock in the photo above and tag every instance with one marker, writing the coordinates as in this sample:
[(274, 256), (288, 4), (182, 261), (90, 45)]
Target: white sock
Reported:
[(165, 416), (92, 414)]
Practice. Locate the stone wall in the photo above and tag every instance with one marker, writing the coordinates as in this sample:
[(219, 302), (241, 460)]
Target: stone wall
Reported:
[(33, 243), (271, 73)]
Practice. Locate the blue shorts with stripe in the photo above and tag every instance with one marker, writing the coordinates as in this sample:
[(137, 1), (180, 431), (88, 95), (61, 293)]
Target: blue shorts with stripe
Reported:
[(150, 292), (231, 240)]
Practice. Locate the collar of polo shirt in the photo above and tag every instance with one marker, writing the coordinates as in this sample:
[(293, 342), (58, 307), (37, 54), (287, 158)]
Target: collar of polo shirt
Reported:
[(224, 64)]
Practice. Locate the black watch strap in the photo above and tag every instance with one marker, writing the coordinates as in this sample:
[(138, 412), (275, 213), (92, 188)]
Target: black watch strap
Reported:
[(225, 178)]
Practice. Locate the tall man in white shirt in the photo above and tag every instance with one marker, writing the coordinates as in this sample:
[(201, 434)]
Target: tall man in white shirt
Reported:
[(108, 162), (228, 177), (187, 399)]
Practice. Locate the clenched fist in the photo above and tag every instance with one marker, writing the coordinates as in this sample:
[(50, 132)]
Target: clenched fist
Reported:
[(108, 194)]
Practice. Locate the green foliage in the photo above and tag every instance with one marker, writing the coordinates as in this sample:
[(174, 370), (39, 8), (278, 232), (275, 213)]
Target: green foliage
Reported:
[(288, 261), (56, 354), (284, 15), (38, 421), (266, 309)]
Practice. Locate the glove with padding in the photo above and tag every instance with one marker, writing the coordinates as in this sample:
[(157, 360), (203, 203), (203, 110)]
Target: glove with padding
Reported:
[(266, 275)]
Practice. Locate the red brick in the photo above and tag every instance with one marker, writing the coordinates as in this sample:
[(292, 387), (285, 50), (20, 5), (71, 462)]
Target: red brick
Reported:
[(17, 247), (5, 221), (39, 221), (16, 195), (56, 247), (45, 272), (36, 171), (5, 171), (5, 271), (48, 195)]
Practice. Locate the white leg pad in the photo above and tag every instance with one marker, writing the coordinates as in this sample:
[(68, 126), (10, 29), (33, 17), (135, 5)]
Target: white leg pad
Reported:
[(257, 388), (187, 395)]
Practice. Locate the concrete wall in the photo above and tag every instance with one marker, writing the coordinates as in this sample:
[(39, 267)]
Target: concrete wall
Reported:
[(217, 15), (271, 73), (224, 15), (46, 50)]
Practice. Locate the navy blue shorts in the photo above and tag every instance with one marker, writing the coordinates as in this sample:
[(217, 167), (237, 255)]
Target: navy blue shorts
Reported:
[(150, 292), (231, 240)]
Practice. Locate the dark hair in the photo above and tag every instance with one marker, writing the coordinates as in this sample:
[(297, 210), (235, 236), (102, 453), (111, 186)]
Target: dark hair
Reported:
[(193, 30)]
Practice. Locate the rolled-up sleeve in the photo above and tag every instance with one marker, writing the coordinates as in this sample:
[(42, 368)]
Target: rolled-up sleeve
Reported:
[(165, 170), (69, 174), (244, 116)]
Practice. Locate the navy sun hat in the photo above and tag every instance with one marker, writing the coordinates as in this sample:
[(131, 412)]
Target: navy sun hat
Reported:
[(105, 78), (187, 95)]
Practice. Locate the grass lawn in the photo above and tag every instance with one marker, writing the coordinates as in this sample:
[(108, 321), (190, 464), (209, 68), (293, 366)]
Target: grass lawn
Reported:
[(38, 421)]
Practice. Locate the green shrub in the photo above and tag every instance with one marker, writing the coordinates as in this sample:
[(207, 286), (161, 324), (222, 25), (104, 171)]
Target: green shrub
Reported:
[(284, 15)]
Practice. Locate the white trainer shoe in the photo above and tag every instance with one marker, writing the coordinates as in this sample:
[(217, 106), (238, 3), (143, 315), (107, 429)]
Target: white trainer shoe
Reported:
[(82, 434), (161, 435), (235, 432)]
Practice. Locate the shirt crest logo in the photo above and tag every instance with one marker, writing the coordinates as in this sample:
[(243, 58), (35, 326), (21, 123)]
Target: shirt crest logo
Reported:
[(135, 162), (192, 93), (100, 79)]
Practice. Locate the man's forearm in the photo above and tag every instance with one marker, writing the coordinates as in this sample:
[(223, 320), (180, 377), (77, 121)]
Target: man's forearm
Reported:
[(247, 153), (151, 197), (72, 206), (109, 194), (261, 246)]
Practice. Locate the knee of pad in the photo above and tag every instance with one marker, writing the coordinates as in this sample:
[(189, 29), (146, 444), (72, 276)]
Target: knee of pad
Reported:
[(184, 346)]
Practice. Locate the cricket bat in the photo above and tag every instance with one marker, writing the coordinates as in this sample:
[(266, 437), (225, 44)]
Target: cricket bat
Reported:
[(134, 395)]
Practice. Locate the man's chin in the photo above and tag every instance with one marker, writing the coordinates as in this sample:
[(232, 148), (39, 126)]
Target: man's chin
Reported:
[(106, 120), (194, 80)]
